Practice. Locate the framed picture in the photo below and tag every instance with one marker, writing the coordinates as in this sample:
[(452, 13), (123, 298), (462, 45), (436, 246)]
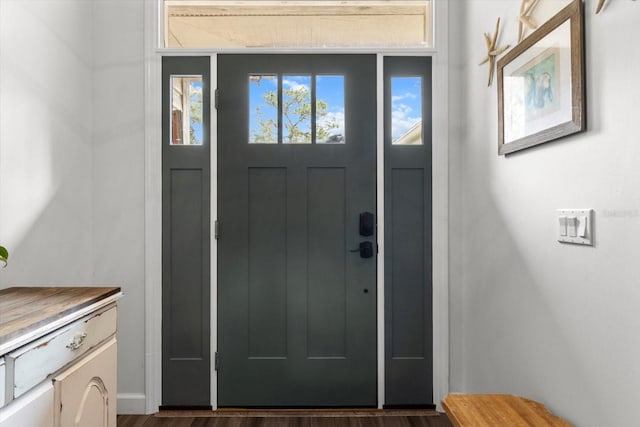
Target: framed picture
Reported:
[(541, 88)]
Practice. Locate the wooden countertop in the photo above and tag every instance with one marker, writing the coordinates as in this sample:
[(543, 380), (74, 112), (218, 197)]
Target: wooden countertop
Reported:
[(26, 309), (497, 410)]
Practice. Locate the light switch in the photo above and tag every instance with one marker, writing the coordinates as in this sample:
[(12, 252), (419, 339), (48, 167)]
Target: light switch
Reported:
[(575, 226), (572, 226), (582, 226), (562, 223)]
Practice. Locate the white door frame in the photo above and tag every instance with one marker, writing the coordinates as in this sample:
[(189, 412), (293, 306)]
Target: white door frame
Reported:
[(153, 201)]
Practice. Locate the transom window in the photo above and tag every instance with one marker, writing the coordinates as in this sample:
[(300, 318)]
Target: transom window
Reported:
[(301, 24)]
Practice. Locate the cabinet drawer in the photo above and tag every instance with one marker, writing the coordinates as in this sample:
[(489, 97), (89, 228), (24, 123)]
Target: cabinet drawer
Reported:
[(33, 363)]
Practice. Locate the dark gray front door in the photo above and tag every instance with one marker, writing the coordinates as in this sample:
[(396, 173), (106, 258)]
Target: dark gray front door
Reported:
[(296, 167)]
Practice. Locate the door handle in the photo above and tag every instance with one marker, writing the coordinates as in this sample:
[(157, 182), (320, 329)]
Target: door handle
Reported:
[(365, 249), (367, 224)]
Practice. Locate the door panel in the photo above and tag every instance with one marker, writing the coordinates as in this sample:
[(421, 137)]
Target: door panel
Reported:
[(407, 269), (186, 236), (185, 232), (267, 262), (408, 253), (297, 308), (326, 260)]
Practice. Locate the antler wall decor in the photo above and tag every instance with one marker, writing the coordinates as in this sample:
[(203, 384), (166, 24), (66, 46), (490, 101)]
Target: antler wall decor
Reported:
[(525, 19), (492, 51), (601, 5)]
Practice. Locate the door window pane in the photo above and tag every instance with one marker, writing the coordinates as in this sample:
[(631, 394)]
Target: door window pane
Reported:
[(296, 109), (186, 110), (263, 109), (406, 110), (330, 110)]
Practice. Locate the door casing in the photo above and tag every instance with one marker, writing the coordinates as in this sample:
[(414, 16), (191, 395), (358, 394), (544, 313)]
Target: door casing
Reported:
[(380, 141), (150, 401)]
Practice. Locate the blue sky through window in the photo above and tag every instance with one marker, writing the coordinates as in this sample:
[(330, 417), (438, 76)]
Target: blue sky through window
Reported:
[(296, 103), (330, 89), (195, 96), (406, 105), (263, 118)]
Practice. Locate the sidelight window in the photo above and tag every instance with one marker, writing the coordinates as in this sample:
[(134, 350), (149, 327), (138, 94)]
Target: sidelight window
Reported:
[(406, 111), (186, 110)]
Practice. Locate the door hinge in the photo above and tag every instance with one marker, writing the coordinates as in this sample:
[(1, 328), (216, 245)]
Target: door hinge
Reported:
[(216, 230), (216, 97), (216, 362)]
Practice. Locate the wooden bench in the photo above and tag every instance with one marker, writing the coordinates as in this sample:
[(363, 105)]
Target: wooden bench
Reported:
[(497, 410)]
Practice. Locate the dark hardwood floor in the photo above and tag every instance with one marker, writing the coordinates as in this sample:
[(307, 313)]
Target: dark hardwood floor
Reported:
[(287, 419)]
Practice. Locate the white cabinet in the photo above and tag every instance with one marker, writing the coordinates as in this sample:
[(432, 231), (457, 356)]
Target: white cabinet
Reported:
[(58, 368), (33, 410), (85, 394), (35, 361)]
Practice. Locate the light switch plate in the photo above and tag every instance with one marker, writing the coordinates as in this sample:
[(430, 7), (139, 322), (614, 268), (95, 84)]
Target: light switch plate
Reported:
[(582, 231)]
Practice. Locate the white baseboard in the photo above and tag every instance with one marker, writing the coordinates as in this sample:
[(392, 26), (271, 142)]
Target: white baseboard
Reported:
[(131, 403)]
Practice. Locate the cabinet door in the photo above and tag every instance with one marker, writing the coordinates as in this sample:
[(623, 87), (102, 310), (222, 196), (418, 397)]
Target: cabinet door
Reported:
[(34, 409), (85, 394)]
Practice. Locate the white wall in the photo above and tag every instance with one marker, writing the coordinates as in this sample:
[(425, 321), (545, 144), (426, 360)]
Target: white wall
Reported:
[(118, 181), (552, 322), (46, 95), (72, 157)]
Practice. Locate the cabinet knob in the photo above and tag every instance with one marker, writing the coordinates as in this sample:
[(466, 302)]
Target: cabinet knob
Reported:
[(77, 341)]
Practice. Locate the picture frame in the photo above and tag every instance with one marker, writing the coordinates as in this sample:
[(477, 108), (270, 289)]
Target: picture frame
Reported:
[(541, 84)]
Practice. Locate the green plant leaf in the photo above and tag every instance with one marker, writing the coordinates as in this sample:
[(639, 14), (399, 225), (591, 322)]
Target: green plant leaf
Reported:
[(4, 255)]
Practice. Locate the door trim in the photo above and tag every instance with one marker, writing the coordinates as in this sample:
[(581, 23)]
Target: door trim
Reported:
[(153, 200), (214, 243), (381, 221)]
